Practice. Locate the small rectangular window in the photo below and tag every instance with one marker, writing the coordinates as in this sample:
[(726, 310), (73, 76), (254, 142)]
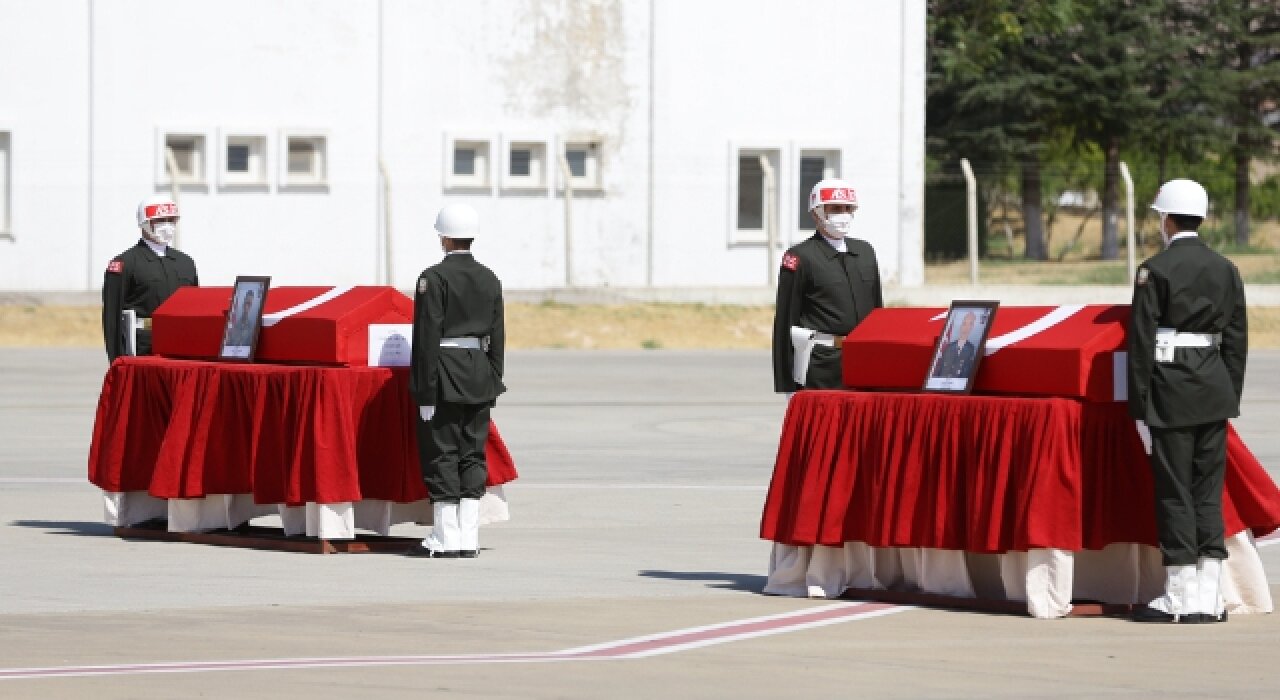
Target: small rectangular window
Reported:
[(754, 204), (244, 159), (302, 157), (750, 192), (577, 158), (184, 158), (520, 160), (183, 155), (582, 158), (305, 159), (526, 165), (466, 162), (238, 158), (5, 195)]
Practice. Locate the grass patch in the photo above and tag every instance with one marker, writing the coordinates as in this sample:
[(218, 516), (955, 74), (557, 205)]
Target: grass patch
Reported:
[(565, 327)]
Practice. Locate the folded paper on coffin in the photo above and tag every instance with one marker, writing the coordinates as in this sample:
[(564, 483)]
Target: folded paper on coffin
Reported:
[(295, 328), (1073, 351)]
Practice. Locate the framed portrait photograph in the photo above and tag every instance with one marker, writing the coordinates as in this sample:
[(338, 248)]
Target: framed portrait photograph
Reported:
[(958, 351), (244, 319)]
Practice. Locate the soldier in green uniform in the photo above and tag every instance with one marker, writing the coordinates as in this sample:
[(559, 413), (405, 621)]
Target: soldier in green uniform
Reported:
[(142, 277), (455, 376), (1188, 337), (827, 285)]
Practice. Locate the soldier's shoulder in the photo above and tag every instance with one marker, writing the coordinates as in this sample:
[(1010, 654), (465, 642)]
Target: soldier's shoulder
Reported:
[(807, 248), (122, 261), (806, 245), (860, 246), (425, 278), (1159, 261)]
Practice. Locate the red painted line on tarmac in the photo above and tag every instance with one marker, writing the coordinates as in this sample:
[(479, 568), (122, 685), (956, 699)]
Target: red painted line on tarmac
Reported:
[(632, 648)]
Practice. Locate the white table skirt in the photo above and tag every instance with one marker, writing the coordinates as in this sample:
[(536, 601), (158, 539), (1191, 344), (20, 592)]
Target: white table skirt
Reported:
[(330, 521), (1046, 579)]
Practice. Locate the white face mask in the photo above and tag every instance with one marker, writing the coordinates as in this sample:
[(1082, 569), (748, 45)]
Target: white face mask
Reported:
[(163, 232), (839, 224)]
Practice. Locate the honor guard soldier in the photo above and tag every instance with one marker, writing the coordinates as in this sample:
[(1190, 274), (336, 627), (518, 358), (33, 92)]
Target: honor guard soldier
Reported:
[(141, 278), (1188, 337), (455, 376), (827, 285)]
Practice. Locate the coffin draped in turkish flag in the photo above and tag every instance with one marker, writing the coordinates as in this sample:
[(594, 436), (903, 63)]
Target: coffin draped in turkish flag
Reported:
[(189, 324), (1076, 351)]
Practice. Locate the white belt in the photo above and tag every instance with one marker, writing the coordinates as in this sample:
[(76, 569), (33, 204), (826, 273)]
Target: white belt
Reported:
[(465, 342), (1169, 338)]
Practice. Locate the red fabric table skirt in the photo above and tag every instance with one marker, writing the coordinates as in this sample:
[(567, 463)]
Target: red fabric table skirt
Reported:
[(979, 474), (286, 434)]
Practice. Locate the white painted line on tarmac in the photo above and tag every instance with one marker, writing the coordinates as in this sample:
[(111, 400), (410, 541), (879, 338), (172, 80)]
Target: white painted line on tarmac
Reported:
[(631, 648)]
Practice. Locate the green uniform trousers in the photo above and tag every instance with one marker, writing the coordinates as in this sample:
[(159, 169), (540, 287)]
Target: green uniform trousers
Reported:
[(1188, 465)]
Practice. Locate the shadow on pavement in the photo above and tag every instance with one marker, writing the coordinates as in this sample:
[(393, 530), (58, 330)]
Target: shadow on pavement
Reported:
[(64, 527), (751, 583)]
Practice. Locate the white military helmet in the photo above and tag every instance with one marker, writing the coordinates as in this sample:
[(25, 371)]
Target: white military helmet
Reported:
[(457, 221), (1185, 197), (832, 190), (156, 206)]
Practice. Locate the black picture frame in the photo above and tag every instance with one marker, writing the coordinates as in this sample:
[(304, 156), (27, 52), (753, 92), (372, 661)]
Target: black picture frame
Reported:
[(955, 360), (244, 319)]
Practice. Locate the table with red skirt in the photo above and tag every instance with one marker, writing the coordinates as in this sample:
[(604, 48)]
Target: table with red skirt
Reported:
[(1042, 500), (211, 445)]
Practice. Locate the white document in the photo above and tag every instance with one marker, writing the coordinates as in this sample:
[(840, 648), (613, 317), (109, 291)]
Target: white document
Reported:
[(390, 344)]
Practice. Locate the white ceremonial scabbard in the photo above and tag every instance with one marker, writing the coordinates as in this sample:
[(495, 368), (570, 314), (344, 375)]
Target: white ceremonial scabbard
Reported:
[(802, 342), (129, 331)]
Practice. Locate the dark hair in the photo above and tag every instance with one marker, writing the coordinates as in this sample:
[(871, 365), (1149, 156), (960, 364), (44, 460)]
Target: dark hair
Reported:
[(462, 243), (1186, 222)]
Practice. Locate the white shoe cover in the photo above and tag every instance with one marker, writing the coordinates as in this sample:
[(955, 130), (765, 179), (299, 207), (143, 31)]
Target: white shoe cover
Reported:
[(1179, 589), (444, 535), (1210, 575), (469, 524)]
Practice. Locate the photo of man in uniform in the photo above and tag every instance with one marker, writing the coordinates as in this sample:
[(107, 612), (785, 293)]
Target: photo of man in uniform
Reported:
[(242, 323), (956, 358)]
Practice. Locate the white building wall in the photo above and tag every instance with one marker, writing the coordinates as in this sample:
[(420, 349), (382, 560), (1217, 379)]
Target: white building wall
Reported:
[(530, 71), (250, 67), (772, 76), (43, 86), (400, 77)]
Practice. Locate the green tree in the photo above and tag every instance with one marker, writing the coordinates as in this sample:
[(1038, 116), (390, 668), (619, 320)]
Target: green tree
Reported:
[(992, 94), (1117, 54), (1236, 59)]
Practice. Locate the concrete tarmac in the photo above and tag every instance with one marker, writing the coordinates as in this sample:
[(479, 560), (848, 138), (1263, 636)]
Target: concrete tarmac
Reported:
[(635, 516)]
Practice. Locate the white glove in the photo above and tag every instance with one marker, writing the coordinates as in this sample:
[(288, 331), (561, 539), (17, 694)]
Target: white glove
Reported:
[(1144, 434), (426, 412)]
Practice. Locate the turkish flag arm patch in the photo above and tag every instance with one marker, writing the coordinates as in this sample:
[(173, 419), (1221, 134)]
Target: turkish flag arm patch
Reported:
[(115, 266), (790, 262)]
